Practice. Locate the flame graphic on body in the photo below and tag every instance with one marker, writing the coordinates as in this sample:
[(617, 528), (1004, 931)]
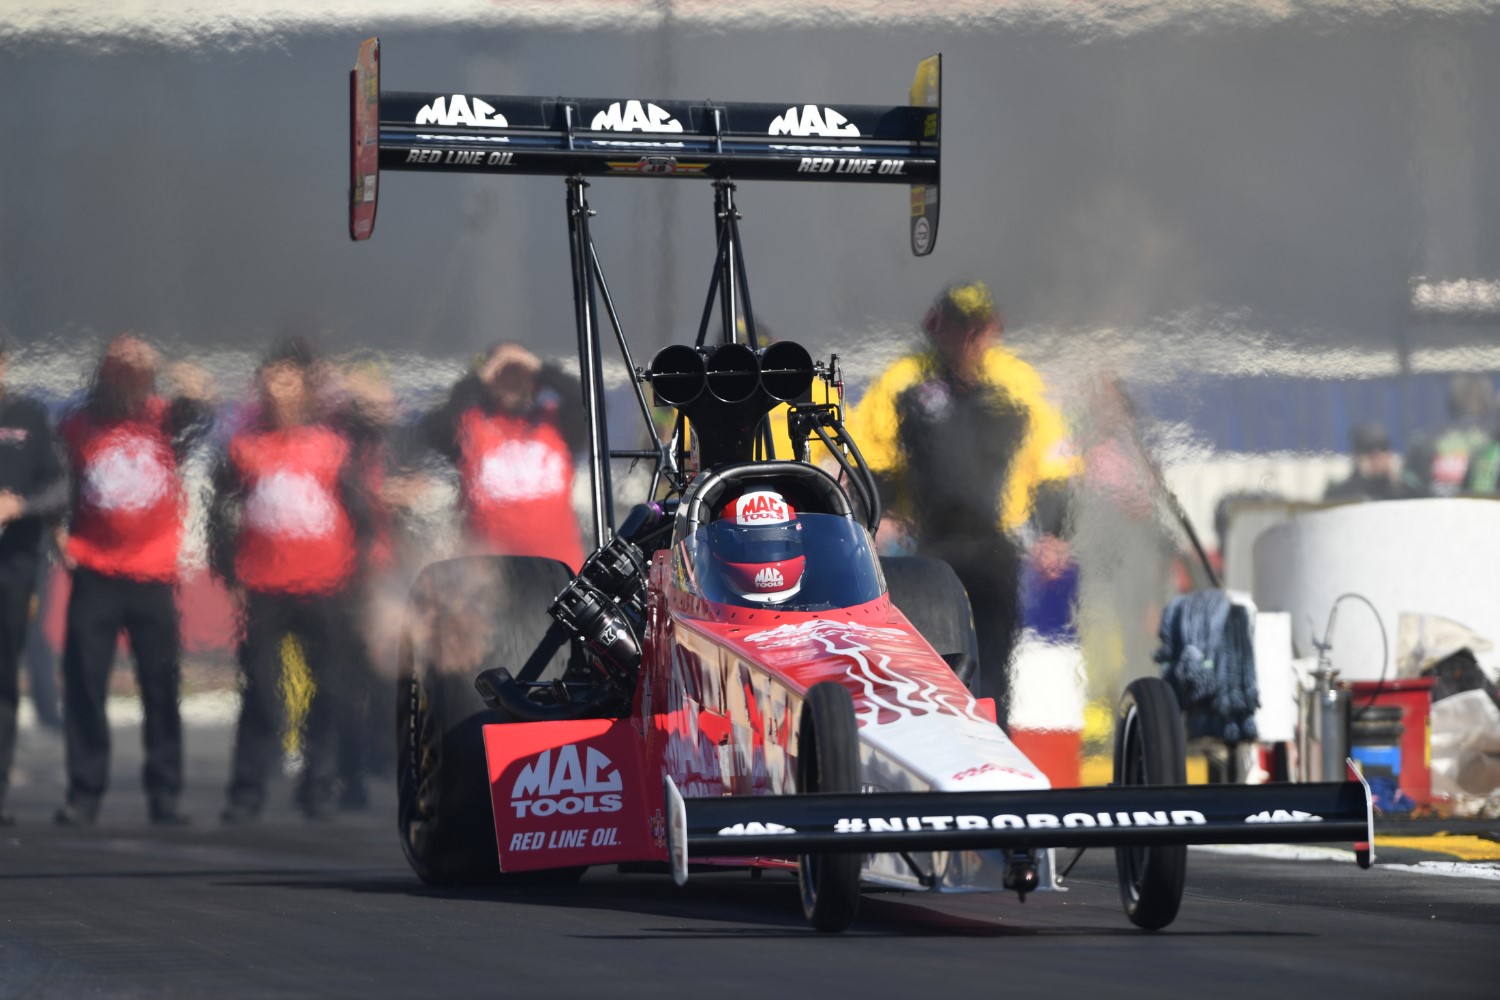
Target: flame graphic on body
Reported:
[(887, 695)]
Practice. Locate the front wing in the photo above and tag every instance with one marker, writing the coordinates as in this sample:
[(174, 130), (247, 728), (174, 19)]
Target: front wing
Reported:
[(1112, 816)]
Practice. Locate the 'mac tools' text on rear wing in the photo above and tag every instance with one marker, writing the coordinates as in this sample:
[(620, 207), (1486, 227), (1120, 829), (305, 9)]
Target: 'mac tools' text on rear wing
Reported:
[(634, 137)]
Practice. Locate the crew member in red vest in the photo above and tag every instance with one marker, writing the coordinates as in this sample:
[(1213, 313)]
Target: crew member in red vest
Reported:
[(512, 427), (124, 446), (288, 527)]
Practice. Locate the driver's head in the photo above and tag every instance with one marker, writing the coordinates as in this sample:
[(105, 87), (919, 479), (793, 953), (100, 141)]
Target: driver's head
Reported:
[(962, 324), (758, 547)]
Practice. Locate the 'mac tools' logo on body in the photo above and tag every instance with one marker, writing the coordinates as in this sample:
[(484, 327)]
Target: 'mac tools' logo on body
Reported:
[(566, 782)]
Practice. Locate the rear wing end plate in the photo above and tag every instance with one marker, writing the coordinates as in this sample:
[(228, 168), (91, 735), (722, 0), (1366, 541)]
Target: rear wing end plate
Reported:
[(927, 92), (364, 139), (635, 137)]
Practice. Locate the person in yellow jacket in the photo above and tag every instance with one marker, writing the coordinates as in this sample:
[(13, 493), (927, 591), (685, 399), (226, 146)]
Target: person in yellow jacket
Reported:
[(970, 457)]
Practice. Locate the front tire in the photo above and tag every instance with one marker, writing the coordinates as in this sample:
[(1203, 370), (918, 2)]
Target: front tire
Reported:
[(828, 761), (1150, 750)]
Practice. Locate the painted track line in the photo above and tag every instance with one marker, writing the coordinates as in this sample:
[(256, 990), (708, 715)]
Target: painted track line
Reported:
[(1454, 869)]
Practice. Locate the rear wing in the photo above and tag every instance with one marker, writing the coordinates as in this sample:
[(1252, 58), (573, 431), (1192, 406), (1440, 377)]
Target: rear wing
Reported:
[(634, 137)]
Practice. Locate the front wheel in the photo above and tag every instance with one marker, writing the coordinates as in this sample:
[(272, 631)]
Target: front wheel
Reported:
[(1150, 750), (828, 761)]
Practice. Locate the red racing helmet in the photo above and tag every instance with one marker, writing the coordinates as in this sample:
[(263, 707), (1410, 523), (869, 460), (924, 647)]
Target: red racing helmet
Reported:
[(757, 545)]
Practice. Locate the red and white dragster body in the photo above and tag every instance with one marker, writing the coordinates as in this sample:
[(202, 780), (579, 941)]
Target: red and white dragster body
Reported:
[(716, 711), (711, 691)]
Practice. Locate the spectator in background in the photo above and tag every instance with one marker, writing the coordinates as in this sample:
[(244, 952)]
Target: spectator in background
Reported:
[(511, 428), (1375, 475), (288, 528), (1439, 465), (125, 444), (366, 413), (1484, 467), (970, 454), (33, 489)]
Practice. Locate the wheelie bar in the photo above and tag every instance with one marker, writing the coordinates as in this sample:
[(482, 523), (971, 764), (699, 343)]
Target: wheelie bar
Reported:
[(1110, 816)]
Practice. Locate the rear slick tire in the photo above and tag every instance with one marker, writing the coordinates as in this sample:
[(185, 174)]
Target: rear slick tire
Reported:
[(828, 761), (1150, 750), (444, 814)]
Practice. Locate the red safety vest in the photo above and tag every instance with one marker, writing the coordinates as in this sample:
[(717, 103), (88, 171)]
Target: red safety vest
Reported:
[(517, 477), (295, 535), (130, 503)]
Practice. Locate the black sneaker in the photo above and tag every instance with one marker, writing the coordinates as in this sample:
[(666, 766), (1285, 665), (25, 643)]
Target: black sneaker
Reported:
[(239, 814), (74, 815), (168, 815)]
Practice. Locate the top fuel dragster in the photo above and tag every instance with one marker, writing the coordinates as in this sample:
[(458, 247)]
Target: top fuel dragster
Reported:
[(734, 677)]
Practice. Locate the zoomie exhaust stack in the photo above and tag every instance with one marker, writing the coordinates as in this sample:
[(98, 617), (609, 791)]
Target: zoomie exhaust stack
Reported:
[(725, 391)]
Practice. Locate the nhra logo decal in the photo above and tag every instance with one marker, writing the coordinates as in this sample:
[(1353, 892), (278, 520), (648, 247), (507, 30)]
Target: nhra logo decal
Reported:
[(769, 578), (755, 830), (634, 116), (810, 120), (458, 110), (761, 507), (566, 784), (1027, 821), (1283, 816)]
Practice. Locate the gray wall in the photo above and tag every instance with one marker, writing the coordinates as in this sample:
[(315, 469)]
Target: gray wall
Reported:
[(1287, 178)]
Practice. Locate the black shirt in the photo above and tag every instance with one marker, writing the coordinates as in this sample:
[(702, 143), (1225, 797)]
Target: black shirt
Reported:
[(959, 441), (30, 466)]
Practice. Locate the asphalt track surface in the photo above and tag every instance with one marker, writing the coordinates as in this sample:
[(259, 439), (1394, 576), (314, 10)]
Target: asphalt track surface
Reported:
[(292, 909)]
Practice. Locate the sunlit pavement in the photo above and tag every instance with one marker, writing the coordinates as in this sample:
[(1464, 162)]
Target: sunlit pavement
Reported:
[(293, 908)]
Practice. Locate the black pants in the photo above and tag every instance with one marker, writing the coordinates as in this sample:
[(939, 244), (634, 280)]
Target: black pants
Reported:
[(38, 658), (100, 606), (989, 567), (17, 580), (323, 627)]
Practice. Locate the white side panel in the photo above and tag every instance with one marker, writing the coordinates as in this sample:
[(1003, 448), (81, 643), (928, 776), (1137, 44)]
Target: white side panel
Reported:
[(1276, 719)]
